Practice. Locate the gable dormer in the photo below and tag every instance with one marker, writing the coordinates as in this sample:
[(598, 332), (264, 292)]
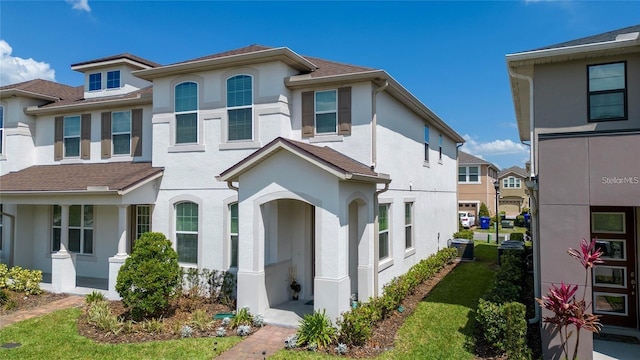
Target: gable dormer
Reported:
[(110, 76)]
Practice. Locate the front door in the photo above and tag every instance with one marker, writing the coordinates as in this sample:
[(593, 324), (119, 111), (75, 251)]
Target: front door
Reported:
[(614, 281)]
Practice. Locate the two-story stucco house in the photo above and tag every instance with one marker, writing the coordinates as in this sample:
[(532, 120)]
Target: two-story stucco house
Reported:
[(514, 195), (577, 104), (258, 160), (476, 178)]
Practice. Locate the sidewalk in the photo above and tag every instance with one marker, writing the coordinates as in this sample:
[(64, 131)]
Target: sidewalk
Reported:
[(68, 302), (260, 345)]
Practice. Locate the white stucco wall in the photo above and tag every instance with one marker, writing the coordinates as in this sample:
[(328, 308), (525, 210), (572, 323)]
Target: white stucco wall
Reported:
[(19, 148)]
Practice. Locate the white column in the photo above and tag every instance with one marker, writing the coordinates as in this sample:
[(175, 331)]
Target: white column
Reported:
[(63, 262), (116, 262)]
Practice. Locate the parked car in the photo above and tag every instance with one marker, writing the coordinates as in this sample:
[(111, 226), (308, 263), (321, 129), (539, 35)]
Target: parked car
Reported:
[(467, 219)]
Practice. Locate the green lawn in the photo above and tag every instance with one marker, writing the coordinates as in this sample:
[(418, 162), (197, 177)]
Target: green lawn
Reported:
[(492, 230), (440, 328), (55, 336), (442, 325)]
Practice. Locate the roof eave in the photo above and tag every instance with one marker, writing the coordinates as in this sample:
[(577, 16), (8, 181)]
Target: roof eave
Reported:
[(140, 99), (29, 94), (283, 54), (140, 183), (97, 65)]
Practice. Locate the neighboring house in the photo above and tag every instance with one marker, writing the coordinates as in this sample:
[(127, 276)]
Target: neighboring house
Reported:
[(476, 178), (577, 104), (258, 160), (514, 195)]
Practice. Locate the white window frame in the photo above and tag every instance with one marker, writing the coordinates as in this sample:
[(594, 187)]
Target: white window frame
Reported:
[(387, 261), (197, 232), (468, 174), (143, 220), (114, 133), (317, 112), (426, 144), (83, 226), (511, 182), (2, 130), (232, 234), (65, 137), (240, 107), (409, 242), (174, 139), (119, 79)]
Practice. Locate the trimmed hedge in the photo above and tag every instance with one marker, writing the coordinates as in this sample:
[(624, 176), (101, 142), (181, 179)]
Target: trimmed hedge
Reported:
[(501, 316), (356, 324)]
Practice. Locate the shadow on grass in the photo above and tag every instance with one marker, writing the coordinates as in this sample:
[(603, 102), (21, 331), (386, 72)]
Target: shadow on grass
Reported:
[(464, 286)]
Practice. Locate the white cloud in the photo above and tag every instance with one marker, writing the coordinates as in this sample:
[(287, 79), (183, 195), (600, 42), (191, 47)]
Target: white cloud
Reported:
[(495, 147), (82, 5), (14, 69)]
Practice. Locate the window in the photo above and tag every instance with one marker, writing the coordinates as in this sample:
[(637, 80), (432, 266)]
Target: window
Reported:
[(440, 148), (186, 108), (383, 232), (1, 128), (113, 79), (187, 232), (121, 132), (326, 112), (80, 228), (511, 183), (426, 143), (607, 92), (71, 136), (468, 174), (95, 81), (408, 225), (143, 220), (233, 233), (239, 108)]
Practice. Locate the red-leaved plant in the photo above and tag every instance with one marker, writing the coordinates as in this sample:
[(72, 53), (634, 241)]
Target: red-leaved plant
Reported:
[(569, 310)]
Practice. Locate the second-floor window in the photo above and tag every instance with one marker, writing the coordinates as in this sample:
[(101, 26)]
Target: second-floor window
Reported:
[(511, 182), (240, 108), (121, 132), (440, 147), (469, 174), (1, 129), (326, 112), (186, 108), (71, 134), (95, 81), (607, 92), (426, 143), (113, 79)]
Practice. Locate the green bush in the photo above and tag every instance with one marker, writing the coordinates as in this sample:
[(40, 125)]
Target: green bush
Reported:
[(149, 276), (24, 280), (484, 210), (504, 327), (95, 296), (464, 234), (242, 317), (4, 276), (3, 297), (100, 315), (355, 325), (519, 221), (516, 236), (316, 329), (491, 323)]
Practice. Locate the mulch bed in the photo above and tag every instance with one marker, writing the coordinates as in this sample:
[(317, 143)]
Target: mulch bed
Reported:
[(20, 301)]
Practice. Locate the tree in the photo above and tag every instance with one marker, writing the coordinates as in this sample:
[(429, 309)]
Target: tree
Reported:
[(149, 276), (484, 210)]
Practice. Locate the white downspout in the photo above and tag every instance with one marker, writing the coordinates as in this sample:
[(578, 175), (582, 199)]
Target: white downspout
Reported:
[(374, 124), (534, 204)]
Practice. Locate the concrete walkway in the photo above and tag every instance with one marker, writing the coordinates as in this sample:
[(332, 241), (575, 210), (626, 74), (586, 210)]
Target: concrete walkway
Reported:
[(260, 345), (68, 302)]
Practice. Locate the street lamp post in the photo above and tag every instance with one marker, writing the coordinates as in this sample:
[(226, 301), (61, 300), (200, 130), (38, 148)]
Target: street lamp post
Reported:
[(496, 185)]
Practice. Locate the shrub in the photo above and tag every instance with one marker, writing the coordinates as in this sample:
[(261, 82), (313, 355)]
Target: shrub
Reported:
[(243, 317), (243, 330), (355, 327), (95, 296), (516, 236), (149, 276), (221, 332), (316, 329), (186, 331), (258, 321), (100, 315), (291, 342), (464, 234), (152, 326), (484, 210), (200, 320), (24, 280), (4, 276), (504, 327), (342, 349), (3, 297)]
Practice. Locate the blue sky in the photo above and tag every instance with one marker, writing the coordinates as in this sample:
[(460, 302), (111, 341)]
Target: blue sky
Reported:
[(449, 54)]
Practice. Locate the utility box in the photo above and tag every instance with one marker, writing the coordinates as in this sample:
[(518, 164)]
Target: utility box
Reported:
[(465, 248)]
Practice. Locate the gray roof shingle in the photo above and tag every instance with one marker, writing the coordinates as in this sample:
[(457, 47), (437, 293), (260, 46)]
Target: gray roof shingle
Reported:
[(607, 36)]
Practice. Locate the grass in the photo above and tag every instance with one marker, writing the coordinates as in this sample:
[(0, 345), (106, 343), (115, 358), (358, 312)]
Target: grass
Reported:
[(492, 230), (442, 326), (55, 336)]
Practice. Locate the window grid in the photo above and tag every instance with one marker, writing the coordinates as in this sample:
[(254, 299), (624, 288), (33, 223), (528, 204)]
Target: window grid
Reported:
[(511, 183), (186, 110), (469, 174), (71, 136), (233, 234), (326, 112), (383, 232), (113, 79), (80, 229), (440, 147), (240, 108), (143, 220), (121, 132), (95, 81), (187, 232), (408, 225)]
